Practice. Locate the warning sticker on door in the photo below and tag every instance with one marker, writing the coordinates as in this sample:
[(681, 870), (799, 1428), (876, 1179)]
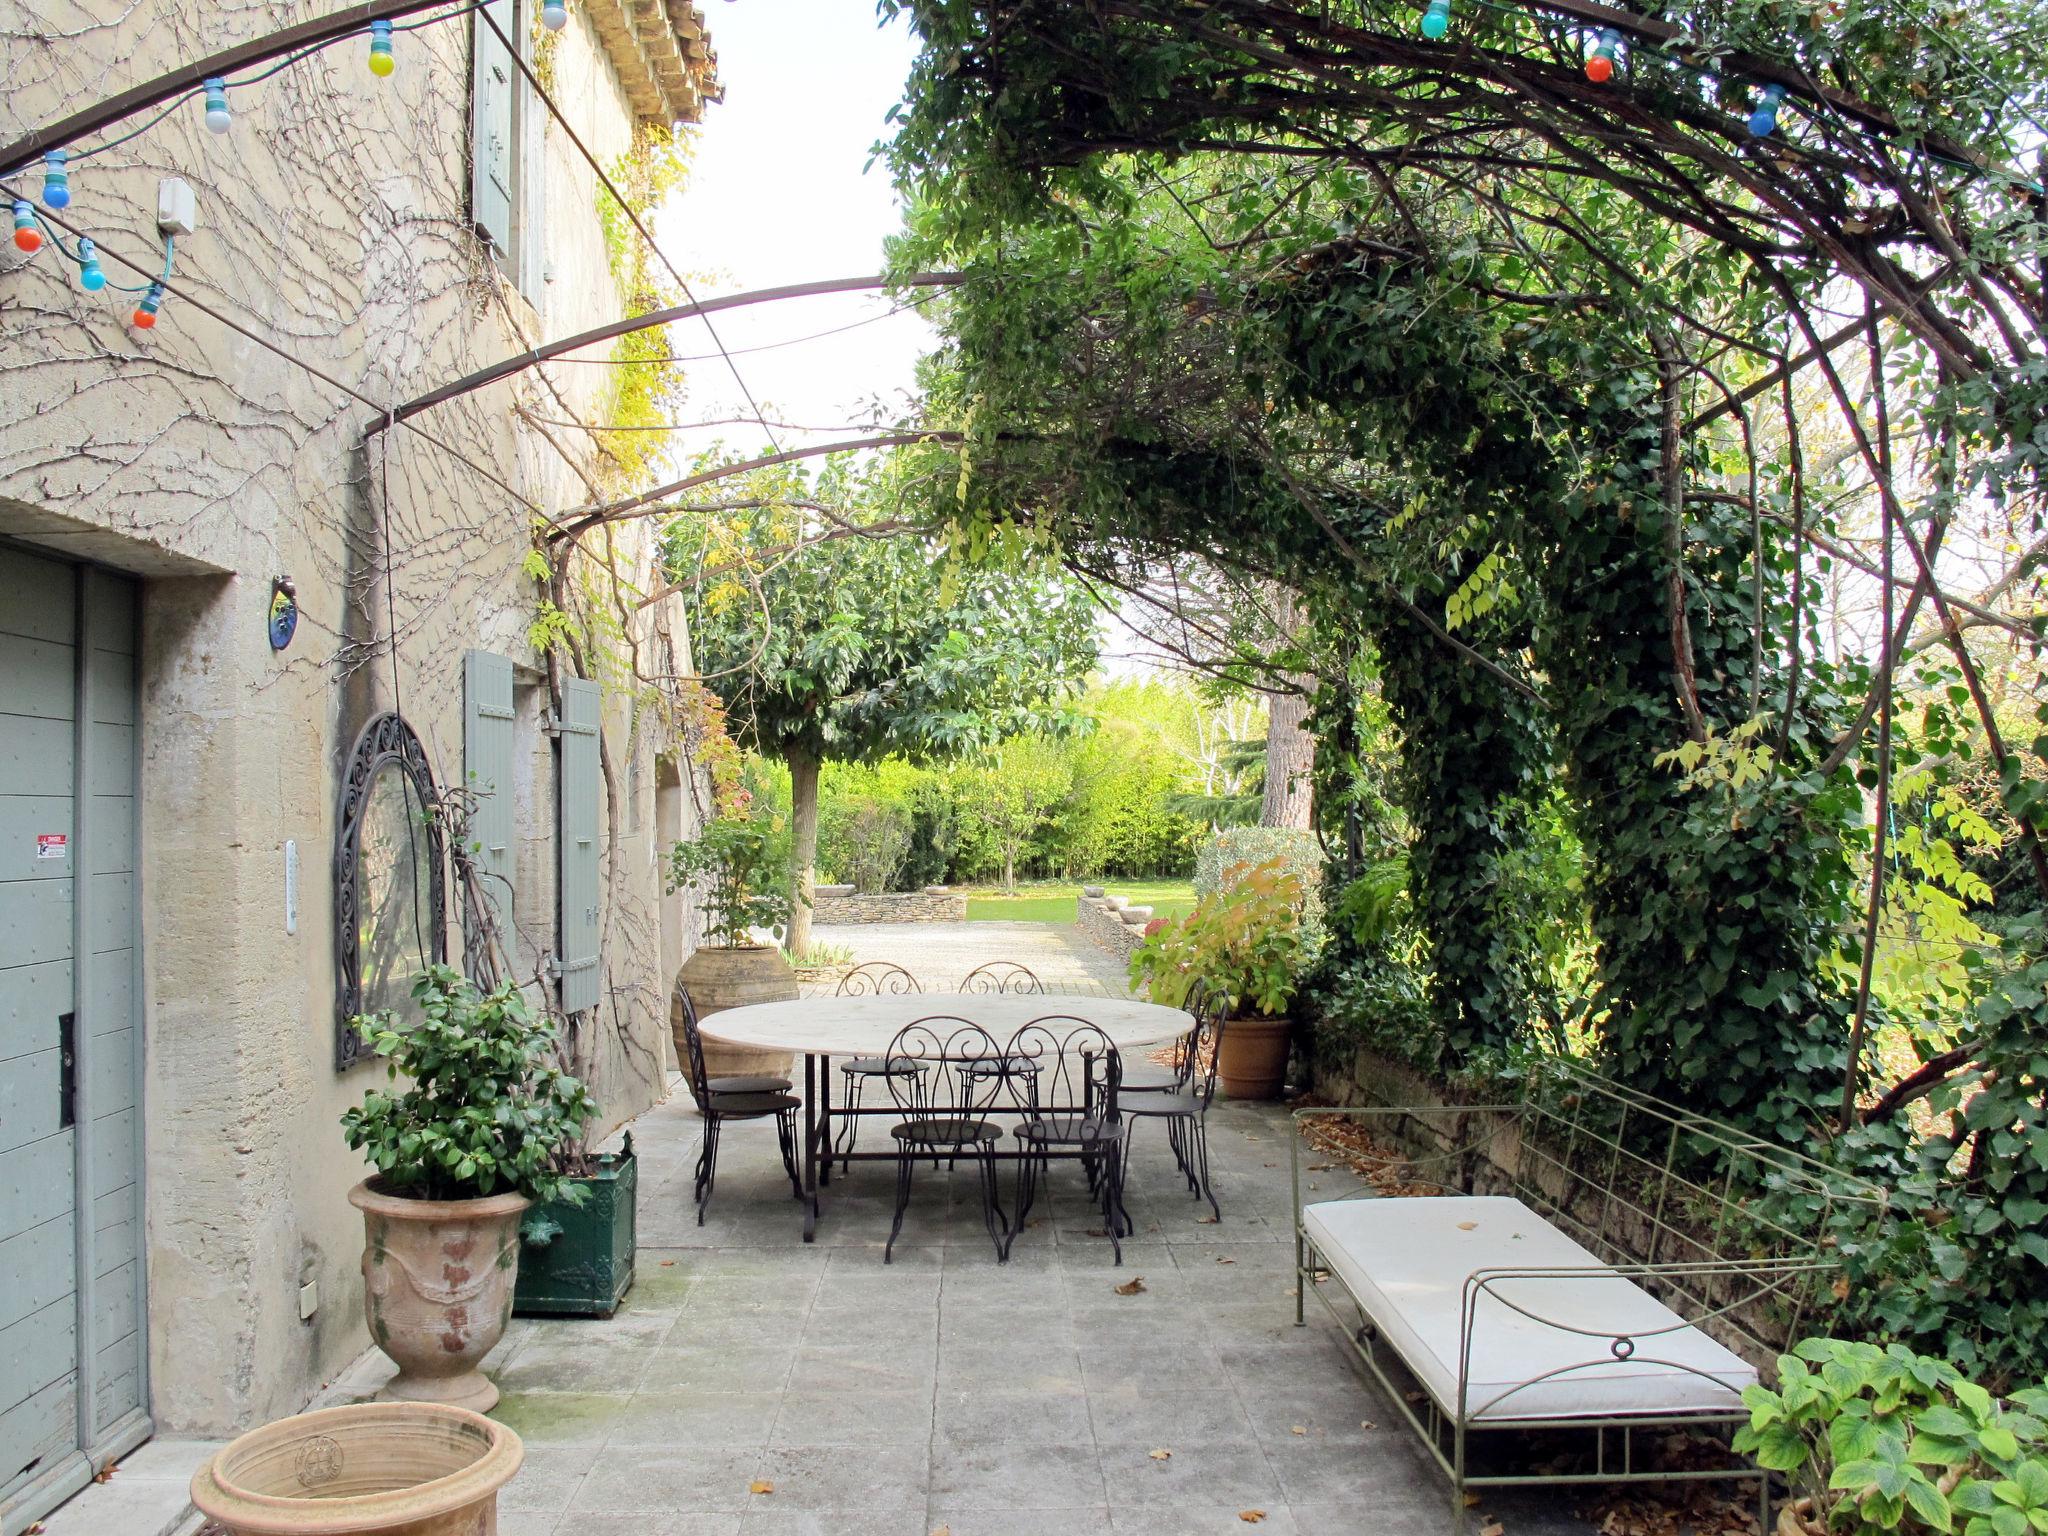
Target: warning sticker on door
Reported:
[(51, 845)]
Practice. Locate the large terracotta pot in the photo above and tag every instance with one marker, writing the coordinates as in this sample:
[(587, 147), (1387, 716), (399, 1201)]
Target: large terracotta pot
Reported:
[(392, 1469), (719, 978), (1252, 1060), (437, 1284)]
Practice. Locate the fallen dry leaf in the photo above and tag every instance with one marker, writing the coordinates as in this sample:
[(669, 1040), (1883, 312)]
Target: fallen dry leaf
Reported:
[(1367, 1424), (1299, 1429), (1135, 1286), (1320, 1167), (1471, 1499), (1207, 1221), (1251, 1516), (1225, 1260), (1162, 1454), (1491, 1528), (760, 1485), (105, 1474), (668, 1263), (942, 1530), (1467, 1226)]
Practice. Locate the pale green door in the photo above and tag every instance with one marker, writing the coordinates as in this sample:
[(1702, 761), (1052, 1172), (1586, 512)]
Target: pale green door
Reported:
[(72, 1353)]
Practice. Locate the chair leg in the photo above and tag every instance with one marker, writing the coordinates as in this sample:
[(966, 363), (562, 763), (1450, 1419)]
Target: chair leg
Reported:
[(1114, 1216), (785, 1133), (903, 1162), (707, 1165), (991, 1207), (849, 1129), (1027, 1194), (1199, 1127)]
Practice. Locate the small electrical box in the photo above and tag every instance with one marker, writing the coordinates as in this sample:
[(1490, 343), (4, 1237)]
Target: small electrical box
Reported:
[(177, 210), (309, 1300)]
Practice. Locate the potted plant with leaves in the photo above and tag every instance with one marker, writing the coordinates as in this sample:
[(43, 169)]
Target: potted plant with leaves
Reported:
[(1245, 939), (733, 866), (470, 1141)]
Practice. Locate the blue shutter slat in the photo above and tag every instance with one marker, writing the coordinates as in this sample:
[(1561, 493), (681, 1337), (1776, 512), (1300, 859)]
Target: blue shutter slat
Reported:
[(578, 809), (489, 746)]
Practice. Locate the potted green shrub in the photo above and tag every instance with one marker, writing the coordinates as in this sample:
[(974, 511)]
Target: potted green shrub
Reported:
[(473, 1139), (733, 865), (1245, 939)]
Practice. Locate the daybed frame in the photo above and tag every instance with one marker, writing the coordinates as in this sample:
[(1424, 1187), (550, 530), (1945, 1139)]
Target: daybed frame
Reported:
[(1726, 1230)]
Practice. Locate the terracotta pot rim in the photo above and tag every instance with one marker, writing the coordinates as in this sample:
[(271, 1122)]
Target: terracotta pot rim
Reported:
[(368, 1198), (504, 1452)]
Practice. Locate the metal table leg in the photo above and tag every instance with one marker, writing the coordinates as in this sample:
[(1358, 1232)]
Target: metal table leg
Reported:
[(810, 1147)]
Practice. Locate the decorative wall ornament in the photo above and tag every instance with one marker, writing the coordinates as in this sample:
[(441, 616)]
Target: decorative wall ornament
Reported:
[(284, 612), (389, 891)]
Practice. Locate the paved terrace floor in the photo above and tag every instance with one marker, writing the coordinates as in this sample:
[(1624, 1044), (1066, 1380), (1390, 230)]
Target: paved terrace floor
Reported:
[(946, 1392)]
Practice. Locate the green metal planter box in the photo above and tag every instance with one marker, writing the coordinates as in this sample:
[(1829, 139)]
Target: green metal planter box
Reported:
[(577, 1260)]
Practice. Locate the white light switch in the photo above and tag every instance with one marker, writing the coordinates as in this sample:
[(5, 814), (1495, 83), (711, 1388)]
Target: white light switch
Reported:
[(309, 1299)]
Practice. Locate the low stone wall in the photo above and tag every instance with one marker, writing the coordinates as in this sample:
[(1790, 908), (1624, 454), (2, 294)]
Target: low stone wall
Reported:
[(928, 906), (1110, 923)]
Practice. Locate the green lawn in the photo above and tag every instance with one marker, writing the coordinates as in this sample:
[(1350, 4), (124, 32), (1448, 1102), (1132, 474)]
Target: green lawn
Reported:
[(1054, 902)]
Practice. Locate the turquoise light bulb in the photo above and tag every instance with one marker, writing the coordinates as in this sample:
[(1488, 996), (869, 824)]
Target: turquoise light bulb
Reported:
[(1436, 21), (218, 118), (90, 277), (1763, 122), (56, 181)]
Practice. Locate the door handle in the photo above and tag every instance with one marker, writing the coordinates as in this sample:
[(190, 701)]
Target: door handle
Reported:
[(67, 1070)]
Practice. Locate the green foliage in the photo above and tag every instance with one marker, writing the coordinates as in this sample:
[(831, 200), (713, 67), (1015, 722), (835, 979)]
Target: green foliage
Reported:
[(1246, 937), (735, 864), (487, 1110), (1887, 1440), (1222, 858)]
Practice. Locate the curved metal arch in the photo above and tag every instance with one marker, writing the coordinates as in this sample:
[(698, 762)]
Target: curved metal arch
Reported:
[(386, 740)]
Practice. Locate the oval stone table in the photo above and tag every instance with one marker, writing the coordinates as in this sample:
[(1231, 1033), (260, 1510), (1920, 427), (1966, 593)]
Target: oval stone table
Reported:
[(819, 1028)]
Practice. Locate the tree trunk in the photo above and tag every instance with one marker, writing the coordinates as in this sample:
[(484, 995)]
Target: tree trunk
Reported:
[(1009, 869), (1290, 755), (1290, 750), (803, 849)]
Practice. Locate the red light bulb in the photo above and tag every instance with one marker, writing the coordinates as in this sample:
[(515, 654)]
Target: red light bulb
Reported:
[(1599, 69)]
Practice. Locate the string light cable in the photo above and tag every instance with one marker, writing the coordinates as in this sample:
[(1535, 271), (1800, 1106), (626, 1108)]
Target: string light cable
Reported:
[(381, 408)]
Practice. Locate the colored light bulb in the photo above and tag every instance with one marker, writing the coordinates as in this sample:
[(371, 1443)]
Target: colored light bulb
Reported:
[(381, 61), (1600, 67), (554, 14), (1436, 21), (26, 236), (56, 181), (90, 277), (218, 118), (144, 317), (1763, 122)]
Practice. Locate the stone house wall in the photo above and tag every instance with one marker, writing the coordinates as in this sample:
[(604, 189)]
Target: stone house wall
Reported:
[(333, 219), (891, 907), (1102, 921)]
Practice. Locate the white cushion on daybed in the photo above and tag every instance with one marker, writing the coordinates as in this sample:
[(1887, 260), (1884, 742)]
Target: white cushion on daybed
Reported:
[(1405, 1260)]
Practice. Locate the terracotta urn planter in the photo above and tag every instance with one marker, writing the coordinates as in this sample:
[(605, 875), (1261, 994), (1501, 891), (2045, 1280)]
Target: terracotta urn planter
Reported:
[(375, 1469), (721, 977), (437, 1285), (1252, 1060)]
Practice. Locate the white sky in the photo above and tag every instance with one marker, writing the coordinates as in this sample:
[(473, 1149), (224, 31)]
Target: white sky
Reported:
[(779, 195)]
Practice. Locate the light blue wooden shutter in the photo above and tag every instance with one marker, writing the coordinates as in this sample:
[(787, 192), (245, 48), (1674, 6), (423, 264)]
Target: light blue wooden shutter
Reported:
[(492, 164), (489, 745), (577, 810)]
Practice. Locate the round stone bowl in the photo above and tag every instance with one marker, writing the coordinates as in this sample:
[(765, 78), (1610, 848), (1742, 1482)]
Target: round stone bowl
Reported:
[(374, 1469)]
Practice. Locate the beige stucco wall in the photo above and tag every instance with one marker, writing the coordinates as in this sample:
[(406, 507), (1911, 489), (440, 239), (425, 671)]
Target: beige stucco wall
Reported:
[(332, 220)]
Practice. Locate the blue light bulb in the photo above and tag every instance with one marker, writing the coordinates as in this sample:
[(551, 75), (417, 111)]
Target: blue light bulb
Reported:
[(1436, 21), (554, 14), (90, 277), (56, 181), (218, 118), (1763, 122)]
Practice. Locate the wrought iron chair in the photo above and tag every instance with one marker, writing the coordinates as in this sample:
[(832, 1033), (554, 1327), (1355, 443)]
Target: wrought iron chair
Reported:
[(719, 1105), (871, 978), (999, 976), (1151, 1076), (928, 1049), (1185, 1107), (682, 1011), (1072, 1112)]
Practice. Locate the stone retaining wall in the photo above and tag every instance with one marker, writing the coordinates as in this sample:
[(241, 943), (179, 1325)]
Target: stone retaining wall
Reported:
[(1107, 922), (891, 907)]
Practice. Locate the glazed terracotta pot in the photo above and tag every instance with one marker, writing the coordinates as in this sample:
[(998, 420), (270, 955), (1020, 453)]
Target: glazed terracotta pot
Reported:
[(376, 1469), (437, 1286), (721, 977), (1252, 1060)]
